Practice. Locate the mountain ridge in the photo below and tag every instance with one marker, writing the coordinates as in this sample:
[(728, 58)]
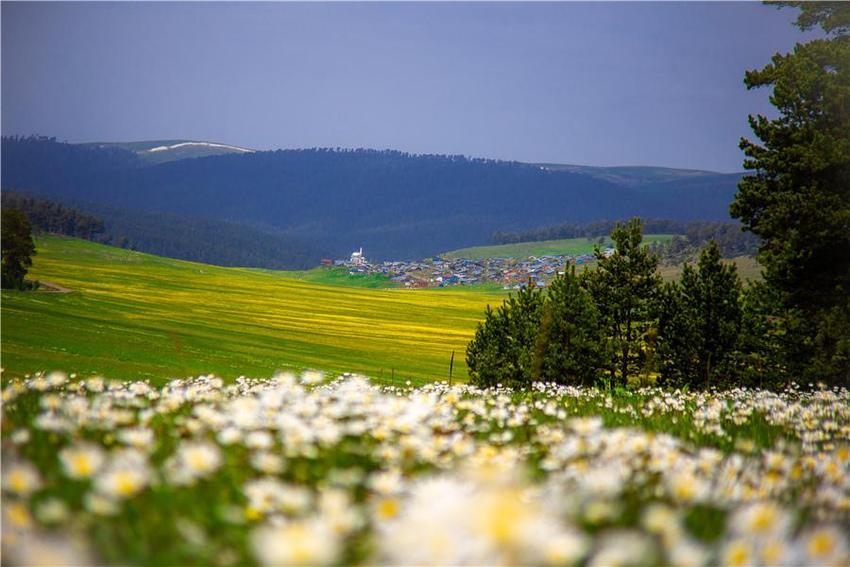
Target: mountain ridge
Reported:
[(160, 151), (395, 204)]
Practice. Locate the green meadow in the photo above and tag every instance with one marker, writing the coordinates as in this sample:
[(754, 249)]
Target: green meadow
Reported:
[(339, 276), (136, 316), (748, 268), (568, 246)]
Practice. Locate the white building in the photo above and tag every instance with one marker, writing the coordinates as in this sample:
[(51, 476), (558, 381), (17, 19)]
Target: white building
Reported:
[(357, 258)]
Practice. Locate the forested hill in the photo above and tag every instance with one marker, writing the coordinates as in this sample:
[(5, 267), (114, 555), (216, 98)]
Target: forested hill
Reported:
[(185, 238), (394, 205)]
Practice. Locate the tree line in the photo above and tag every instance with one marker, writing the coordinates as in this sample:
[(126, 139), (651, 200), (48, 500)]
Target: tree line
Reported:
[(593, 229), (201, 240), (620, 324), (52, 217), (690, 236), (23, 215), (731, 239)]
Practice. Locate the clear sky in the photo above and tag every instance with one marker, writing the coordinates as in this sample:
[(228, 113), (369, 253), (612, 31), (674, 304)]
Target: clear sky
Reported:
[(583, 83)]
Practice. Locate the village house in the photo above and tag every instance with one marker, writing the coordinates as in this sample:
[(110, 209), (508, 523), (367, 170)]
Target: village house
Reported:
[(357, 258), (512, 273)]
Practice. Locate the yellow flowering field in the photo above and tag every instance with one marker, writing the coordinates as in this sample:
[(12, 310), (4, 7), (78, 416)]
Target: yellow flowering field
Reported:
[(312, 470), (140, 316)]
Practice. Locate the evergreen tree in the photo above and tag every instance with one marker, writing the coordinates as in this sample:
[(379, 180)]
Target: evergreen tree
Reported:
[(700, 322), (17, 246), (764, 349), (624, 287), (571, 346), (797, 201), (677, 353), (502, 351)]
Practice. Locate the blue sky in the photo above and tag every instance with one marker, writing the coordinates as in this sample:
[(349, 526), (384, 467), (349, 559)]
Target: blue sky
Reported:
[(585, 83)]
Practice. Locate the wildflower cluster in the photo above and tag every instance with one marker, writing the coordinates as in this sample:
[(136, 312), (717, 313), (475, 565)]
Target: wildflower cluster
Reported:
[(297, 470)]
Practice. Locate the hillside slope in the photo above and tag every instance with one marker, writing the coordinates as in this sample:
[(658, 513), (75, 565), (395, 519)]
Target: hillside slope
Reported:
[(565, 246), (137, 316), (394, 205), (161, 151), (216, 242), (633, 176)]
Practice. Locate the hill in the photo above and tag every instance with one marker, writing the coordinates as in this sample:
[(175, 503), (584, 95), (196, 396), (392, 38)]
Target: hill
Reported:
[(185, 238), (636, 175), (54, 218), (568, 246), (138, 316), (395, 205), (161, 151)]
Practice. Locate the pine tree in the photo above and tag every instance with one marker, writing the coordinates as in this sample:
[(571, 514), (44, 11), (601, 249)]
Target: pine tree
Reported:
[(764, 348), (624, 287), (572, 346), (502, 351), (700, 322), (677, 353), (17, 246), (797, 200)]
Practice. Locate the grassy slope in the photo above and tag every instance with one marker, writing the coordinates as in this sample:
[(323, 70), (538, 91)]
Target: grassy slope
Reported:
[(133, 315), (572, 246), (339, 276), (748, 269)]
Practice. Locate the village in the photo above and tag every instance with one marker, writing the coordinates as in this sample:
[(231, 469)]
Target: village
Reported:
[(439, 271)]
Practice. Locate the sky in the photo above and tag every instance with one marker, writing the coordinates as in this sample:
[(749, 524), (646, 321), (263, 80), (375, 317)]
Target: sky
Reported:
[(582, 83)]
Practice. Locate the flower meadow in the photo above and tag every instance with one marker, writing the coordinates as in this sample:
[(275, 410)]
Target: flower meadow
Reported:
[(311, 471)]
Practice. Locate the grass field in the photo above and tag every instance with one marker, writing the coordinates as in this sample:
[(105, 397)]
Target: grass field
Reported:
[(338, 276), (136, 316), (569, 246), (748, 269), (300, 470)]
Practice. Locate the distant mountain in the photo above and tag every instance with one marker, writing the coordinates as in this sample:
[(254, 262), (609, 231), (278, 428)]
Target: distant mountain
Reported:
[(161, 151), (393, 204)]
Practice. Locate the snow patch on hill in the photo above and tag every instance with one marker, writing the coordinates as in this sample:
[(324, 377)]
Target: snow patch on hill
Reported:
[(201, 144)]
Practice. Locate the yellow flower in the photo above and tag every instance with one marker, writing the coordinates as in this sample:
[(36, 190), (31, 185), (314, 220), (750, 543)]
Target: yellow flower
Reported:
[(125, 476), (761, 519), (773, 552), (501, 514), (81, 461), (825, 544), (304, 542), (685, 487), (17, 515), (387, 508), (737, 553), (21, 478)]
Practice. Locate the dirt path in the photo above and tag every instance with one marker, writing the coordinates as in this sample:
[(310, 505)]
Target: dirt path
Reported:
[(51, 287)]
